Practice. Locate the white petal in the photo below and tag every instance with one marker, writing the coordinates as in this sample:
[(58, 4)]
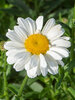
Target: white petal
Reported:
[(43, 65), (60, 62), (32, 66), (55, 55), (13, 45), (20, 64), (33, 62), (27, 66), (65, 37), (44, 71), (28, 24), (52, 65), (62, 51), (62, 43), (12, 52), (43, 61), (22, 55), (39, 22), (49, 24), (53, 70), (55, 32), (38, 70), (32, 25), (23, 23), (32, 73), (20, 33), (12, 55), (11, 60), (13, 36)]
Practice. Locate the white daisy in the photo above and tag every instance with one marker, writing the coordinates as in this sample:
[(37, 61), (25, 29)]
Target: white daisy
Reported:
[(37, 50)]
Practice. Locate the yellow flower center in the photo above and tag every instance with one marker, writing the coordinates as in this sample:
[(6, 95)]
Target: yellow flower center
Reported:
[(36, 44)]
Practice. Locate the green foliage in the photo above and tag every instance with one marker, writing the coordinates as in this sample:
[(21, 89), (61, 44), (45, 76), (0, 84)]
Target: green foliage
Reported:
[(36, 87), (58, 87), (72, 91)]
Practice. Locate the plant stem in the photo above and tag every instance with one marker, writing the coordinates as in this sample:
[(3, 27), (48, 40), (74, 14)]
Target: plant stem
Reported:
[(5, 81), (73, 35), (60, 17), (22, 86)]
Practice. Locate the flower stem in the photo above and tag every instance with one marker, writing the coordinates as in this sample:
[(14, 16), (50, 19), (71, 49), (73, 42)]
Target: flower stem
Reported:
[(5, 81), (22, 86)]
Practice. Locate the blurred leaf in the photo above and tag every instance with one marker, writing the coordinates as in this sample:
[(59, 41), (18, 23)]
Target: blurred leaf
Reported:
[(69, 66), (1, 69), (11, 11), (46, 92), (15, 98), (60, 78), (1, 97), (29, 94), (72, 91), (2, 3), (30, 81), (20, 4), (1, 85), (13, 88), (37, 87), (53, 4)]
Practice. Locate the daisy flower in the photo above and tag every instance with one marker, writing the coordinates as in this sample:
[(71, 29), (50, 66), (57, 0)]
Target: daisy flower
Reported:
[(35, 48)]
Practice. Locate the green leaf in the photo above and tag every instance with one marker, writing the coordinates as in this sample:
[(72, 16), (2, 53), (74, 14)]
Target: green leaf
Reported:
[(20, 4), (14, 88), (74, 12), (37, 87), (2, 96), (72, 91), (70, 65), (53, 5), (60, 78), (11, 11), (1, 69), (15, 98), (1, 86), (29, 94), (30, 81)]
